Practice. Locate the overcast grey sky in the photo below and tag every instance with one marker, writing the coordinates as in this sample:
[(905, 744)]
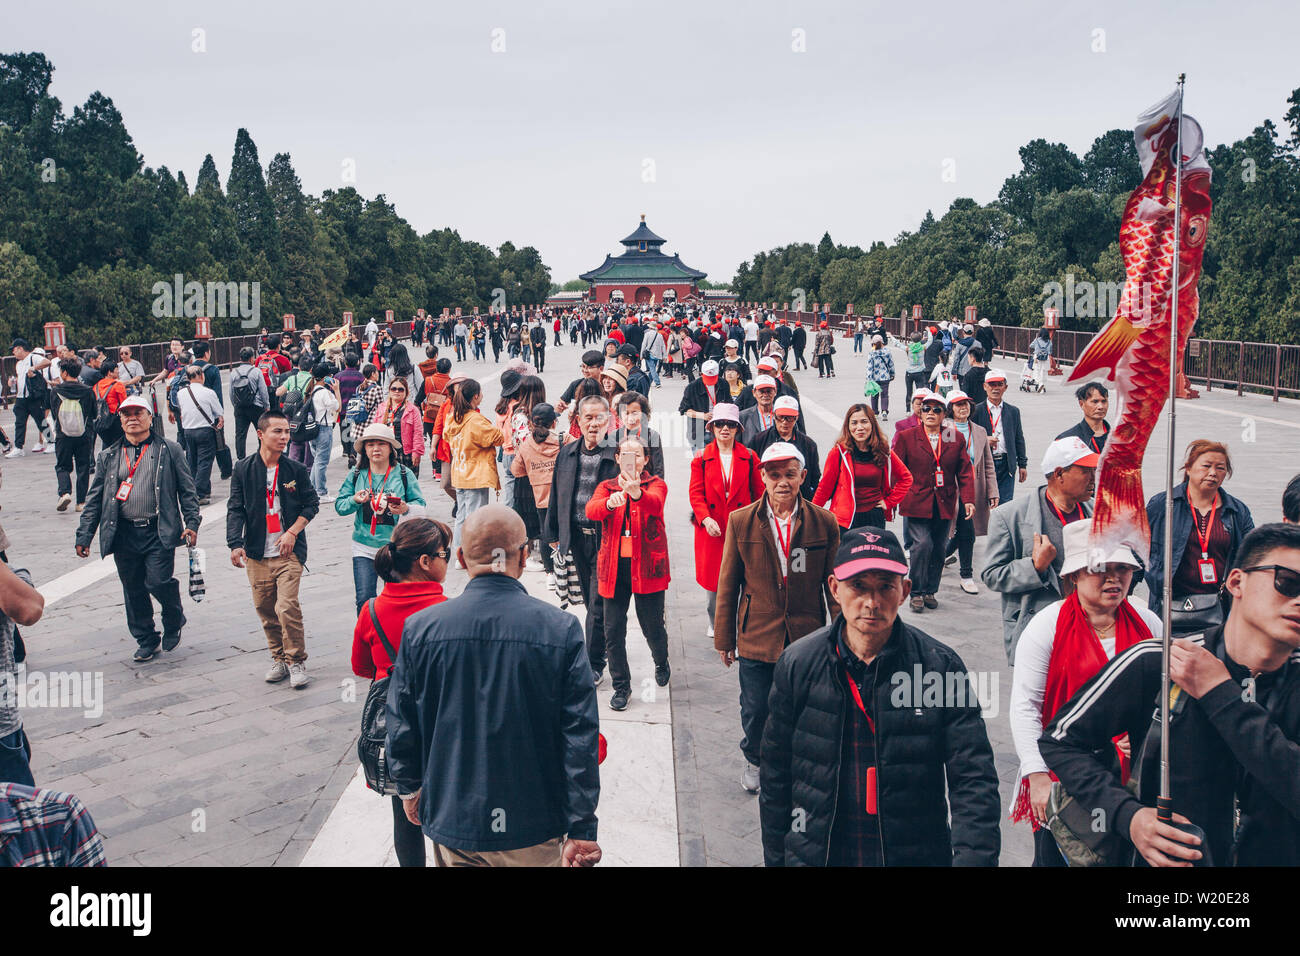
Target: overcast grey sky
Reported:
[(549, 142)]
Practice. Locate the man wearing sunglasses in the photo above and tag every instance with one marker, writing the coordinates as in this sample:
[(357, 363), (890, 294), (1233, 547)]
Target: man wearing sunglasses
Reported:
[(1234, 726)]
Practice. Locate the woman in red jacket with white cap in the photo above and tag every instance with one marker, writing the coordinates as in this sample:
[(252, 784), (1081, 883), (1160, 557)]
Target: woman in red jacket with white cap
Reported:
[(724, 477), (863, 480)]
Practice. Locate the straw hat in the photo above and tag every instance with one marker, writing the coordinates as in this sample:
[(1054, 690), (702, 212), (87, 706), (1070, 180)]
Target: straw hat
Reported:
[(377, 431)]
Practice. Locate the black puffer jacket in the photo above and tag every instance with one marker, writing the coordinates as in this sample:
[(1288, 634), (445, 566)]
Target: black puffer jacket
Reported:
[(917, 743)]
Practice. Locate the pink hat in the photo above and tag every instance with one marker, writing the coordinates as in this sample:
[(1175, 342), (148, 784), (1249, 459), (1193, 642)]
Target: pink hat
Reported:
[(725, 412)]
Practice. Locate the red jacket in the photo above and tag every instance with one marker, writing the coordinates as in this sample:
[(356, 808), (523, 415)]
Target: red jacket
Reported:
[(649, 537), (836, 486), (398, 601), (913, 447), (708, 501)]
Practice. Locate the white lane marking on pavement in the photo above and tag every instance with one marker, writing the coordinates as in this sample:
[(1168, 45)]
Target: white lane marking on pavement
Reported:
[(638, 804), (66, 585)]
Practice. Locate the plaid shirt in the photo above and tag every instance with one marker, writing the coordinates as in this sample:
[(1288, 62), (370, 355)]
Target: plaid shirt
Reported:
[(46, 828), (855, 834)]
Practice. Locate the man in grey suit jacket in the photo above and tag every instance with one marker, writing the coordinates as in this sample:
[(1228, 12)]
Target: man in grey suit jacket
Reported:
[(1025, 548)]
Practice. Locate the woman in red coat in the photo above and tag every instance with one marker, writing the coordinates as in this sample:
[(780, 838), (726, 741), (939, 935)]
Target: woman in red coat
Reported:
[(724, 477), (863, 480), (632, 563), (413, 565)]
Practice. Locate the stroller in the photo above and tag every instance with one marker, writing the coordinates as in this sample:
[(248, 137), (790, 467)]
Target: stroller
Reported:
[(1029, 380)]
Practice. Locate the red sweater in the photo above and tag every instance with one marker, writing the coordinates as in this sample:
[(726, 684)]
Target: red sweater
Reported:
[(398, 601)]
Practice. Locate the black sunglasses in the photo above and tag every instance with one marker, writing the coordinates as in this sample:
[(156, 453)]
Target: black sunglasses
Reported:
[(937, 409), (1285, 580)]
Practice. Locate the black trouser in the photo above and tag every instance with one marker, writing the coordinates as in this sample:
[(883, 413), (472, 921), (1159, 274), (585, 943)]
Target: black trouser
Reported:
[(963, 543), (244, 417), (755, 688), (145, 569), (915, 380), (408, 838), (24, 407), (649, 614), (557, 337), (752, 347), (67, 453), (584, 548), (539, 356), (875, 518), (925, 560), (200, 450), (799, 360), (1046, 852)]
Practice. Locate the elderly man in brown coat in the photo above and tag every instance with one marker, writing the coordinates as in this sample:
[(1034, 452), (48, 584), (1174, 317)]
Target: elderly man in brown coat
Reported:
[(773, 586)]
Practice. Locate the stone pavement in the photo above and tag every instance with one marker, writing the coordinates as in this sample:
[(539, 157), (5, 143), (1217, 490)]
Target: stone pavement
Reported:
[(194, 760)]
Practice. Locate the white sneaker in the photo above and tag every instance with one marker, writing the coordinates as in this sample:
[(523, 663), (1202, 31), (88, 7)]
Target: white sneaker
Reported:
[(326, 499), (64, 501), (750, 780), (968, 585), (298, 676), (710, 634), (550, 581), (278, 672), (38, 449), (534, 563), (16, 453)]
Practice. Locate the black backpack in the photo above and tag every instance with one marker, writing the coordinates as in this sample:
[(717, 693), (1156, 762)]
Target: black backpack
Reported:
[(303, 425), (243, 392), (373, 743)]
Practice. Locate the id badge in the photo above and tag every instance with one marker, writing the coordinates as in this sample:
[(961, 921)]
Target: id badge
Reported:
[(273, 523), (1208, 574), (871, 790), (124, 490), (625, 546), (938, 478)]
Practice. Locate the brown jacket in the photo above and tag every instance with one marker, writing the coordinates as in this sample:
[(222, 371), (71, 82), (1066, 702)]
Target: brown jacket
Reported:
[(758, 615)]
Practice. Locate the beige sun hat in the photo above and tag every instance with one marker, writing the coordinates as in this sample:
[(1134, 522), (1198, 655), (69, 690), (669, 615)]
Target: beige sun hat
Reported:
[(378, 431)]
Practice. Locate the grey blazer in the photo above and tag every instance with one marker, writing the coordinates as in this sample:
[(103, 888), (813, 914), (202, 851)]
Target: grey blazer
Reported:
[(1009, 565), (178, 505)]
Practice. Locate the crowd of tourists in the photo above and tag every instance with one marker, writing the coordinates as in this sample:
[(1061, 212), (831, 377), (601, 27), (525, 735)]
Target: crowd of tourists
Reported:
[(809, 594)]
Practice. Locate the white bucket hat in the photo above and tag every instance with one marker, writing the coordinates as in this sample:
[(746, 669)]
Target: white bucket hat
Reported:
[(1079, 555)]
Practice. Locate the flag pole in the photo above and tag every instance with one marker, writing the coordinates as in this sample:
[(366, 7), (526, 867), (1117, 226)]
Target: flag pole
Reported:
[(1164, 804)]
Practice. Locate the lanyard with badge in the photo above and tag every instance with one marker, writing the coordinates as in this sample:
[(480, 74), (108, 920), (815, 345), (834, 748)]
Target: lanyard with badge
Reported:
[(124, 489), (1206, 565), (871, 771), (1078, 514), (376, 503), (995, 422), (784, 540), (936, 449), (272, 516)]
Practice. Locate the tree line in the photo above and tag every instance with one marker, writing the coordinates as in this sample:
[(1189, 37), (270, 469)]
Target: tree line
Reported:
[(1058, 217), (87, 231)]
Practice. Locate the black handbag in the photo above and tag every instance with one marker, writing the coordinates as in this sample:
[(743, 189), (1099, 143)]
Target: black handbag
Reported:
[(373, 742), (1195, 614)]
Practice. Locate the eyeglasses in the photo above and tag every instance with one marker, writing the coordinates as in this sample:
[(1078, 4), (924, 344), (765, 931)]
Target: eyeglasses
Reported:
[(717, 425), (932, 409), (400, 391), (1285, 580)]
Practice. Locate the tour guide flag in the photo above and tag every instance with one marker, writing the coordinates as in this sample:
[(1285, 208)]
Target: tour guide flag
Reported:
[(336, 338), (1161, 249)]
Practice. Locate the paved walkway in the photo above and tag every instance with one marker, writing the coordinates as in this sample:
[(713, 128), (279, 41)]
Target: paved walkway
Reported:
[(194, 760)]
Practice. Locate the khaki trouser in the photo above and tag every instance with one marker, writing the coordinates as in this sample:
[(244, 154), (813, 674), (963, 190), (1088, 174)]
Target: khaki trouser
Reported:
[(542, 854), (275, 598)]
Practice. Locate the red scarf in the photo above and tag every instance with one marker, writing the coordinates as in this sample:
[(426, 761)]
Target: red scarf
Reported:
[(1077, 656)]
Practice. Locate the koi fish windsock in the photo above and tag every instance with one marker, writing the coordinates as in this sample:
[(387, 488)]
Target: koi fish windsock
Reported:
[(1135, 345)]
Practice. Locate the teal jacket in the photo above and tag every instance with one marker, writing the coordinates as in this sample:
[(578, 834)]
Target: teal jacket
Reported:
[(401, 483)]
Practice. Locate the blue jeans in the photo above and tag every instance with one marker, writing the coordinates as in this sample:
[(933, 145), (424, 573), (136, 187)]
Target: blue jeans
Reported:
[(857, 341), (652, 369), (15, 759), (365, 580), (508, 486), (468, 501), (321, 448)]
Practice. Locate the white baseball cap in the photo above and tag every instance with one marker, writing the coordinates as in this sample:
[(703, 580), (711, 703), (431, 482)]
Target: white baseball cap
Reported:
[(957, 395), (781, 451), (765, 381), (134, 401), (767, 362), (732, 344), (923, 393), (786, 405), (1065, 452), (994, 375), (709, 368)]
